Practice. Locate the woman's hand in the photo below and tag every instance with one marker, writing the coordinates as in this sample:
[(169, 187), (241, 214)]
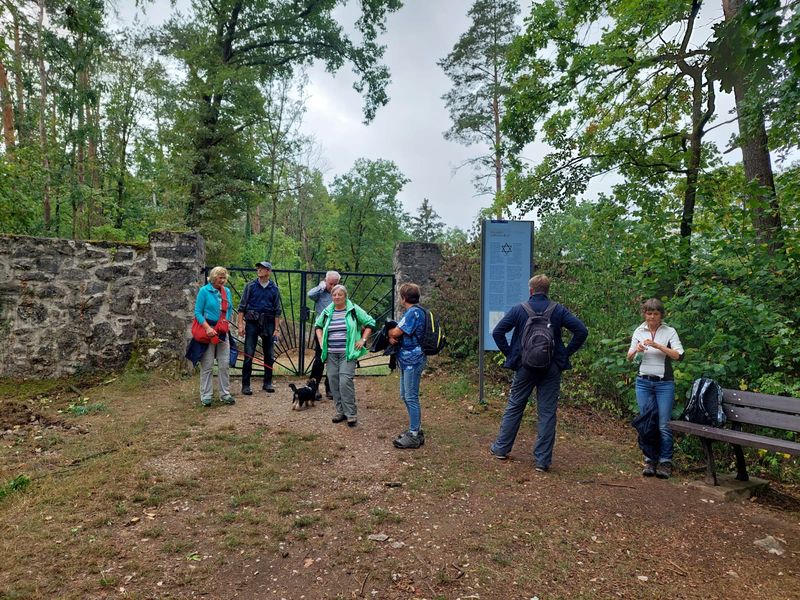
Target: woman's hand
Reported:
[(209, 330)]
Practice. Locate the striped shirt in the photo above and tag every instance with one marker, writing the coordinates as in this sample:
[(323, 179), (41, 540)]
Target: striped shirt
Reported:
[(337, 332)]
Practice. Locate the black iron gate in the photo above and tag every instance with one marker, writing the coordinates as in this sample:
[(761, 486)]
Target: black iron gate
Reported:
[(294, 351)]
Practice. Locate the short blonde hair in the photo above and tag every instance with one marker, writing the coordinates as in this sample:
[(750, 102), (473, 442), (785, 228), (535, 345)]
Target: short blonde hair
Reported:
[(215, 273), (539, 284)]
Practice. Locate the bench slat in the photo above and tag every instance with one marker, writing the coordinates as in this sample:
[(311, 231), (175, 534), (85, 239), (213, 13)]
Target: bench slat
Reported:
[(765, 418), (754, 400), (737, 437)]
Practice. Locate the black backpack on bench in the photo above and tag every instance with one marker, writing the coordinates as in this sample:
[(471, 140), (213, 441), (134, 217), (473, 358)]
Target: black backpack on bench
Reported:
[(704, 405)]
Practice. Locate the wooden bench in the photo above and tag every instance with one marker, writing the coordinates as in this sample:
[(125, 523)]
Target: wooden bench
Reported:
[(747, 408)]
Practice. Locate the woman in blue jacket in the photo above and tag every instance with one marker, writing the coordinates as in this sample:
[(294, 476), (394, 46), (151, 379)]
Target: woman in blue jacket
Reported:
[(213, 309)]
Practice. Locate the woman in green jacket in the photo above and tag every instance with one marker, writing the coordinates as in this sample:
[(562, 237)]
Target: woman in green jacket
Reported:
[(342, 330)]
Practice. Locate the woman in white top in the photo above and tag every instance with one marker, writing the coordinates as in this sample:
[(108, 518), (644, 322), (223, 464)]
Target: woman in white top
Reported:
[(657, 345)]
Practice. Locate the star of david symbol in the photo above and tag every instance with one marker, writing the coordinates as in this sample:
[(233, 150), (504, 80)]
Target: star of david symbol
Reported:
[(506, 249)]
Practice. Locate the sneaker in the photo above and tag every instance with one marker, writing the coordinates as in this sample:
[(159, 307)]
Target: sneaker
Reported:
[(649, 468), (420, 435), (498, 456), (228, 399), (664, 470), (352, 422), (541, 469), (205, 401), (408, 441), (339, 418), (268, 388), (247, 391)]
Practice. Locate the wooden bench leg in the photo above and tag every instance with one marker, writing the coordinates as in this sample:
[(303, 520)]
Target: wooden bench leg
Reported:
[(741, 467), (711, 472)]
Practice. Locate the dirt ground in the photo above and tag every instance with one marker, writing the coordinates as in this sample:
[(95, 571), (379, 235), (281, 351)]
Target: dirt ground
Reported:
[(153, 496)]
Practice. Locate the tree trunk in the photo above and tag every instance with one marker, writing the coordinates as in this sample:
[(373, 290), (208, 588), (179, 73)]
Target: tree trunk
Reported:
[(756, 160), (8, 111), (18, 87), (42, 115)]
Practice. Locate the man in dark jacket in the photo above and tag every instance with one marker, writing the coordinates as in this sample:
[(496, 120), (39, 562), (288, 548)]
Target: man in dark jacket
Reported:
[(546, 380), (259, 317)]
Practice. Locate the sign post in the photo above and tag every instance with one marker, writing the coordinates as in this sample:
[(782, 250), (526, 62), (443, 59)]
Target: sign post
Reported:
[(506, 267)]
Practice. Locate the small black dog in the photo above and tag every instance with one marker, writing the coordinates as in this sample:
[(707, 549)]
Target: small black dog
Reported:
[(304, 396)]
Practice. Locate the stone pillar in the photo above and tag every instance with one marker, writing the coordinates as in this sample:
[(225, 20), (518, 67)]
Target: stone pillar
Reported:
[(67, 306), (415, 262)]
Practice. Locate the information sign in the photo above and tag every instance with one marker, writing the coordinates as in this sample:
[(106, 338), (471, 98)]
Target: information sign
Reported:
[(506, 267)]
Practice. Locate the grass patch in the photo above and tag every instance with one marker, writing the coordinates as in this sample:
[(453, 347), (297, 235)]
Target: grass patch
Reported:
[(304, 521), (81, 408), (381, 515), (17, 484)]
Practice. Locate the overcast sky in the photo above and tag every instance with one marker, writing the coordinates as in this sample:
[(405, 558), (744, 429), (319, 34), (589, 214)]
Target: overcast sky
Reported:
[(409, 130)]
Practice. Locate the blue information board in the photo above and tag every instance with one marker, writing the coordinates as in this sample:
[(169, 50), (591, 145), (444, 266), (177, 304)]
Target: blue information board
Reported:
[(506, 267)]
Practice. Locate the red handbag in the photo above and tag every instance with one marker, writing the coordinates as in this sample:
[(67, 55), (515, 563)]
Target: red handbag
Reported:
[(199, 334)]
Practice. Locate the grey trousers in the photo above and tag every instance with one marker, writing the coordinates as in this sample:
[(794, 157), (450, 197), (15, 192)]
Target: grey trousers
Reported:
[(221, 352), (340, 375)]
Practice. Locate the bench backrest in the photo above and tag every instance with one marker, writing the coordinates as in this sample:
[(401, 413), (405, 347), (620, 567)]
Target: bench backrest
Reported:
[(778, 412)]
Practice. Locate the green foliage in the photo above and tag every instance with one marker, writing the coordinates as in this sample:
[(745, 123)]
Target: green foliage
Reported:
[(426, 225), (17, 484), (370, 216), (736, 309), (456, 298)]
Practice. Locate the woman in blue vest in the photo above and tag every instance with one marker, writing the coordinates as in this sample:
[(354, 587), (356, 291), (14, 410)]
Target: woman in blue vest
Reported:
[(342, 330), (213, 309)]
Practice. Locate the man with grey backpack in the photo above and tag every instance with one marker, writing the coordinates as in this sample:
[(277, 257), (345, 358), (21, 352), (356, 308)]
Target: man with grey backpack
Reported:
[(537, 355)]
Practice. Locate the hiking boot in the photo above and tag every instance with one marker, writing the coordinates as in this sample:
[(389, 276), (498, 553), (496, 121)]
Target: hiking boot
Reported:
[(649, 468), (205, 401), (247, 391), (498, 456), (352, 422), (408, 440), (228, 399), (541, 469), (339, 418), (268, 388), (664, 470)]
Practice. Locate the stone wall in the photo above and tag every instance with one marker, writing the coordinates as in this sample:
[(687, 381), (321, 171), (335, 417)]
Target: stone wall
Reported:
[(415, 262), (69, 306)]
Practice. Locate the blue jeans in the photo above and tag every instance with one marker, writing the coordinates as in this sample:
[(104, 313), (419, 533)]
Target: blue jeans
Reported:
[(663, 394), (548, 386), (409, 392)]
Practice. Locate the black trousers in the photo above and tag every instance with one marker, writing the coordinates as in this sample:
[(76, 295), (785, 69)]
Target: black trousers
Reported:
[(317, 367), (253, 332)]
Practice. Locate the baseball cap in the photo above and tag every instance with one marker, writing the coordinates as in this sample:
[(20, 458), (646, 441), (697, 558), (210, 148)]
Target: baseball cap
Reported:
[(266, 264)]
